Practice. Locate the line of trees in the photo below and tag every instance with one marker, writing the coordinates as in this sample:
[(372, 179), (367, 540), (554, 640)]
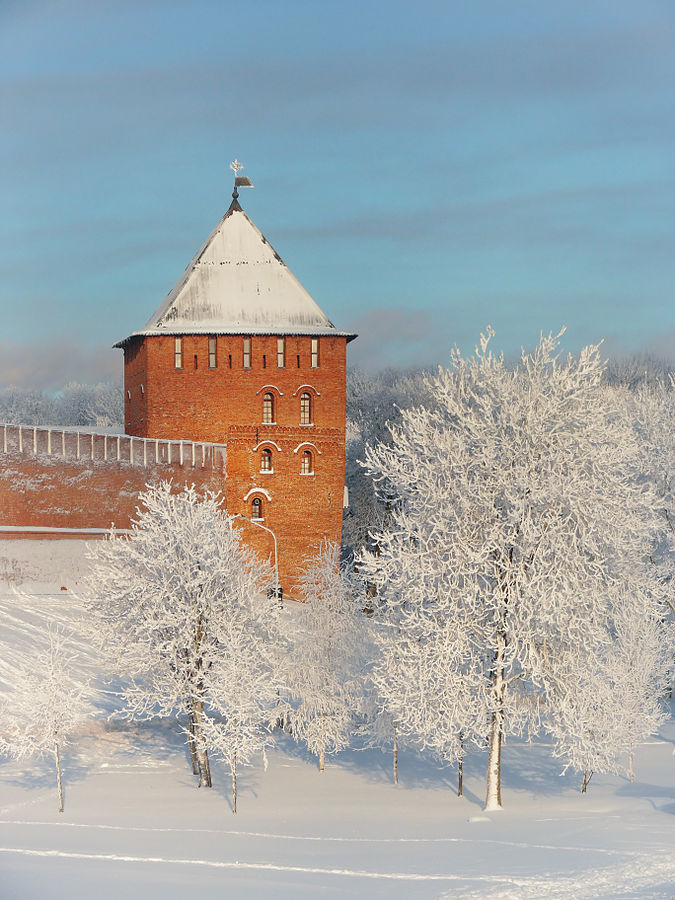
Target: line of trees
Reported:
[(87, 405), (511, 570)]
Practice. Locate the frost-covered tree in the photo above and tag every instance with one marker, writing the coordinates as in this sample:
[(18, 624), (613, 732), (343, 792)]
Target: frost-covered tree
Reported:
[(373, 401), (325, 664), (426, 683), (618, 700), (86, 405), (242, 686), (26, 406), (90, 404), (520, 505), (167, 601), (47, 701)]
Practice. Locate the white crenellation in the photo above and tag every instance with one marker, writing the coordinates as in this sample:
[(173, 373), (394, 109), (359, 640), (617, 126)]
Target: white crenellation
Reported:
[(75, 445)]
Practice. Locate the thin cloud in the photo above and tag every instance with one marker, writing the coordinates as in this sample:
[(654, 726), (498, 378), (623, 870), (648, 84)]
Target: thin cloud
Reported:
[(48, 365)]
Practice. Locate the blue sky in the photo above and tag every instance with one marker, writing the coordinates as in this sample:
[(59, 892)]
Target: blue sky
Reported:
[(424, 169)]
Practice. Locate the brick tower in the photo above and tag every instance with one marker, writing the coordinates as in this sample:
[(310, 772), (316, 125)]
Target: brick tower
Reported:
[(240, 354)]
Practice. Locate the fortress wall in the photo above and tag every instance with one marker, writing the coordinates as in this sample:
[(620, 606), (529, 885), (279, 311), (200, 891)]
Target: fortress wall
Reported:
[(77, 484)]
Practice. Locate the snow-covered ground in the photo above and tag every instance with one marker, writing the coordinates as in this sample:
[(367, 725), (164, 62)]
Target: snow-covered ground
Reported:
[(135, 825)]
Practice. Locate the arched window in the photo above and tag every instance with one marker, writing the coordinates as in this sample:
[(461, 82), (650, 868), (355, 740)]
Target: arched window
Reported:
[(305, 409), (268, 409), (266, 460), (306, 463), (256, 508)]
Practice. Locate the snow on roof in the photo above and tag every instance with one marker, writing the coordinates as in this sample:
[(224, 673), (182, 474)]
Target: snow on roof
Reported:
[(237, 284)]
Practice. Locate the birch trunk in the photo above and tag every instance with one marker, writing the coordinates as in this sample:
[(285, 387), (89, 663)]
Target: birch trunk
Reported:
[(191, 744), (57, 762), (493, 799), (201, 753), (587, 780)]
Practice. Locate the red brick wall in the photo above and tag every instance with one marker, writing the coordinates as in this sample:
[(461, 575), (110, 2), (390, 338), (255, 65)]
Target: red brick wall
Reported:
[(48, 479), (224, 404)]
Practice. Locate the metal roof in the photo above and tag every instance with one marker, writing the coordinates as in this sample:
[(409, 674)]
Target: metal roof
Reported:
[(237, 284)]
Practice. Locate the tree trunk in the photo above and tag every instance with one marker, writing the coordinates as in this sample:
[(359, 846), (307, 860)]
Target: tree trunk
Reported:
[(191, 744), (201, 753), (233, 770), (587, 780), (57, 763), (493, 799), (395, 758)]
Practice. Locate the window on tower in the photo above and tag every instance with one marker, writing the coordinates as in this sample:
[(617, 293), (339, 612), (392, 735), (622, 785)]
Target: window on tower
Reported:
[(305, 409), (268, 409), (256, 508), (306, 463), (178, 353), (315, 353), (266, 461), (247, 353), (213, 361), (281, 360)]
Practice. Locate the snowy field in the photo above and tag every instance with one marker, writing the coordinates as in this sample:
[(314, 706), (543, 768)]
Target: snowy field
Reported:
[(135, 825)]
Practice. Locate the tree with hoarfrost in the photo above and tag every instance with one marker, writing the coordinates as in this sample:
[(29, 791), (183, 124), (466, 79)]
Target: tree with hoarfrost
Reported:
[(181, 605), (520, 507), (242, 686), (325, 664), (618, 701), (372, 402), (47, 702)]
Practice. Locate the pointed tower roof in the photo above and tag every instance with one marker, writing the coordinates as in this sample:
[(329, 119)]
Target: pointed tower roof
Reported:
[(237, 284)]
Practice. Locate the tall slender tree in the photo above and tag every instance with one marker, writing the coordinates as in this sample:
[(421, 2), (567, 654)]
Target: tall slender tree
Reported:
[(48, 699), (325, 667)]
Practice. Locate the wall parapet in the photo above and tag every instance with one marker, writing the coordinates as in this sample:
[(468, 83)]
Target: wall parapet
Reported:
[(99, 447)]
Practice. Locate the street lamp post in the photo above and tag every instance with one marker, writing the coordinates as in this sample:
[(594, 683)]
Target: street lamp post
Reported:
[(277, 591)]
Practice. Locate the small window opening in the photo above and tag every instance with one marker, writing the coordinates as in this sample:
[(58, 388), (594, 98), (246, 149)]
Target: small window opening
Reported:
[(213, 360), (315, 353), (298, 359), (229, 360), (266, 461), (196, 366), (306, 463), (247, 353), (305, 409), (178, 353), (280, 353), (264, 360), (268, 409), (256, 508)]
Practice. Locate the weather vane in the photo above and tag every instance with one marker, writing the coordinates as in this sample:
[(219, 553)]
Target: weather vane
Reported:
[(239, 180)]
